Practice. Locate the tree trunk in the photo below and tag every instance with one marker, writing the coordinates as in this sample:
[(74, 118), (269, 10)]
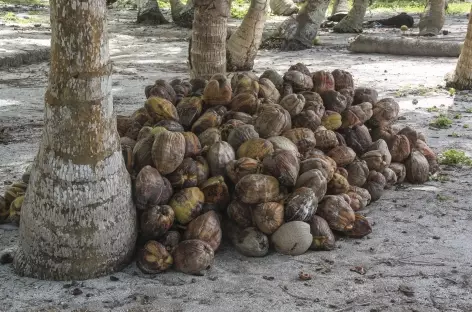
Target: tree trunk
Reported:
[(432, 20), (149, 13), (462, 77), (182, 14), (243, 44), (352, 23), (340, 6), (283, 7), (405, 46), (300, 32), (78, 220), (207, 48)]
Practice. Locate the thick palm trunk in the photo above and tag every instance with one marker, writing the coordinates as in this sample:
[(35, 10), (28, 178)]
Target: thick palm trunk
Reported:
[(299, 32), (352, 23), (340, 6), (149, 13), (182, 14), (283, 7), (432, 20), (207, 48), (462, 76), (78, 220), (243, 44)]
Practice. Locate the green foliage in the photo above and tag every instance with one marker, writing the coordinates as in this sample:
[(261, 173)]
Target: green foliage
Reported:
[(432, 109), (454, 157), (441, 122), (163, 4), (239, 8), (11, 17), (414, 6), (25, 2), (452, 91)]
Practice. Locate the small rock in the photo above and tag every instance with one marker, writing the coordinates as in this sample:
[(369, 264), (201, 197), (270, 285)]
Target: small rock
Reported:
[(415, 101), (268, 278), (114, 278), (406, 290), (436, 237), (129, 71), (77, 291), (6, 256), (445, 32), (212, 278)]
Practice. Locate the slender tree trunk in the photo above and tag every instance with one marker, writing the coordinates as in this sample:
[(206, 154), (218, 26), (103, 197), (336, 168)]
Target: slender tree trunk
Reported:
[(432, 20), (78, 220), (182, 14), (207, 48), (340, 6), (352, 23), (243, 44), (300, 32), (462, 76), (149, 13)]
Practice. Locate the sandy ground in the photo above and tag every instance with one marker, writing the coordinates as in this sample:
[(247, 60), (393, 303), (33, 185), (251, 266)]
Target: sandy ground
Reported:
[(418, 258)]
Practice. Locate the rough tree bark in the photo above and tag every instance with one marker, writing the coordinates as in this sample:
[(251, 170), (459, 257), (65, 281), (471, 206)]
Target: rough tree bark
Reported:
[(78, 220), (207, 47), (405, 46), (182, 14), (149, 13), (462, 77), (299, 32), (340, 6), (352, 23), (283, 7), (432, 20), (243, 44)]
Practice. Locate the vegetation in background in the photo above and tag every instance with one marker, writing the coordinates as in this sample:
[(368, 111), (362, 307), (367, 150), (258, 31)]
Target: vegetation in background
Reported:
[(11, 17), (412, 6), (454, 157), (239, 8), (25, 2), (163, 4)]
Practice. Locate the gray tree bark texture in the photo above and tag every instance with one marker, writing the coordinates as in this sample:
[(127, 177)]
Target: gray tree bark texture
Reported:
[(299, 32), (462, 76), (207, 48), (340, 6), (182, 14), (432, 20), (352, 23), (283, 7), (149, 13), (405, 46), (78, 220), (243, 44)]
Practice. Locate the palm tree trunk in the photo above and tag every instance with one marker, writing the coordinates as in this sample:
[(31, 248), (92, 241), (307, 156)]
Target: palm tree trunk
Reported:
[(182, 14), (78, 220), (462, 76), (432, 20), (352, 23), (149, 13), (207, 48), (243, 44), (340, 6), (283, 7), (300, 32)]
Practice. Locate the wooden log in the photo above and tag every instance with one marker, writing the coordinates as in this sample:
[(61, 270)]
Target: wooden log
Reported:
[(405, 46)]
